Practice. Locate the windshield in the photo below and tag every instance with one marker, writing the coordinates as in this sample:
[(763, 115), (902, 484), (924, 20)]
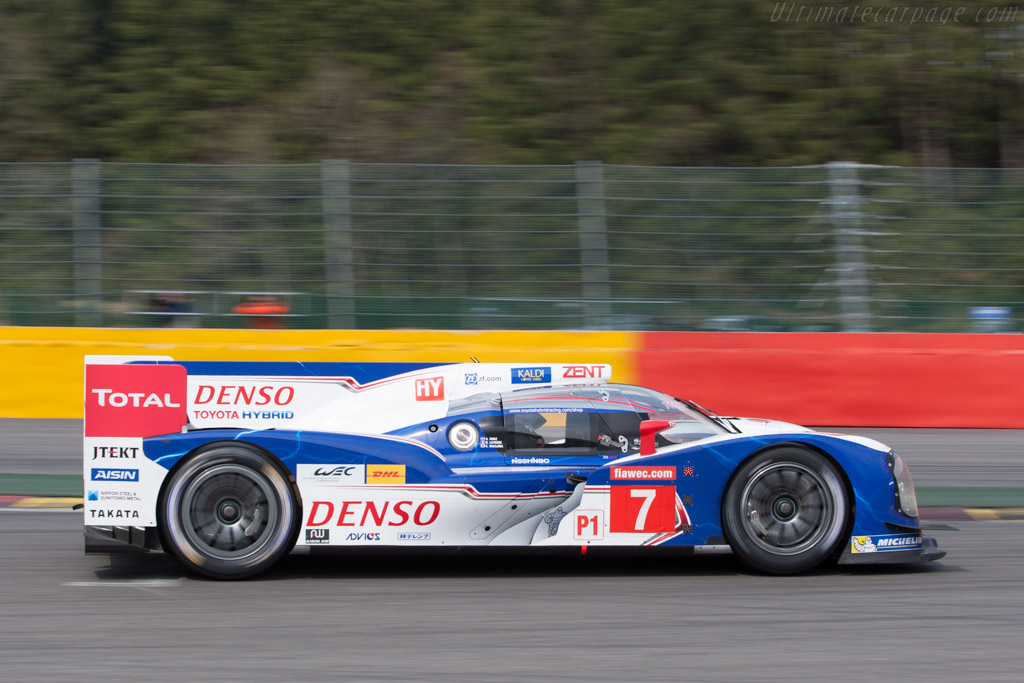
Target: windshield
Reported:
[(691, 424)]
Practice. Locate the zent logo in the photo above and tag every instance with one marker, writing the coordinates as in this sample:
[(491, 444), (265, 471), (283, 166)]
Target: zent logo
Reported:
[(105, 474), (582, 371), (134, 400), (430, 389)]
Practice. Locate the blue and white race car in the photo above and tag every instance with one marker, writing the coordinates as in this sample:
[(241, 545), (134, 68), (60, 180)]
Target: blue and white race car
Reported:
[(231, 465)]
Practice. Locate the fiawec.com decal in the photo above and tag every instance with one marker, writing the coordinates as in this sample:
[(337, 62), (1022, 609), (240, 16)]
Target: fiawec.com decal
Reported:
[(880, 544)]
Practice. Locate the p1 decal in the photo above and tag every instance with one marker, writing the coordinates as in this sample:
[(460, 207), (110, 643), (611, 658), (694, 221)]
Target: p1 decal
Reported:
[(430, 389), (881, 544), (135, 400), (588, 525), (643, 509)]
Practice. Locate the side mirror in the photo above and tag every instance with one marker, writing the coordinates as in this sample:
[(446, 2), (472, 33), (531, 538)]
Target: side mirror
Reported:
[(648, 430)]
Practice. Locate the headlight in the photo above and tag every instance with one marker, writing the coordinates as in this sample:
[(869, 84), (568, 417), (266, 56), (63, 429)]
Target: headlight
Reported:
[(906, 498), (463, 436)]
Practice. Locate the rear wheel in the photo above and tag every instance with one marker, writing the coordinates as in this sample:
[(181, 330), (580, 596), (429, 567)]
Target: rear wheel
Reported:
[(785, 510), (229, 512)]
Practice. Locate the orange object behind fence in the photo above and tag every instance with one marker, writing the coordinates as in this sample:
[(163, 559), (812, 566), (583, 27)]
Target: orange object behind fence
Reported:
[(263, 312)]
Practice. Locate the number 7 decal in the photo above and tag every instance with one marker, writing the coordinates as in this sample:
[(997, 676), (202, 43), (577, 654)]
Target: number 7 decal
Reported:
[(643, 509)]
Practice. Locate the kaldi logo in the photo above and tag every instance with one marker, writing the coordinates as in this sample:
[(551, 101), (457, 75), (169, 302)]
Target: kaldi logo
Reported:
[(373, 513), (134, 400), (582, 371), (232, 395), (430, 389)]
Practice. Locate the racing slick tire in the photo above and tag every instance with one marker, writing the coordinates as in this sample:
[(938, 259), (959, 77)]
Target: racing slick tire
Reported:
[(785, 510), (229, 512)]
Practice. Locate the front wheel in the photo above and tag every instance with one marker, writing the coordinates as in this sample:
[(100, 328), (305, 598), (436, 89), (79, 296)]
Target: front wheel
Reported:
[(785, 510), (229, 512)]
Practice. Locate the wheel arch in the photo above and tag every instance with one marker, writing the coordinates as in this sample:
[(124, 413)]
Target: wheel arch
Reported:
[(848, 489), (199, 450)]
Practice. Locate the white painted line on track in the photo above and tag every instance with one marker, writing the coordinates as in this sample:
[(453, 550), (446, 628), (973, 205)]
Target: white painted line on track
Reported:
[(141, 583)]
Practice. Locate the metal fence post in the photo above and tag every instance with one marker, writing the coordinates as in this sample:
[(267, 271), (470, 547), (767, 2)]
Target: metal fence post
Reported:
[(340, 271), (594, 271), (86, 241), (852, 279)]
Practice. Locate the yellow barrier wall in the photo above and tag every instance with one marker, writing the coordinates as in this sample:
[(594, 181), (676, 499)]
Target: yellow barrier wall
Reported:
[(42, 366)]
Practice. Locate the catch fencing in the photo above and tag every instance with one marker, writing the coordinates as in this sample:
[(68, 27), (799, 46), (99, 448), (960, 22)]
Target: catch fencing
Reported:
[(594, 246)]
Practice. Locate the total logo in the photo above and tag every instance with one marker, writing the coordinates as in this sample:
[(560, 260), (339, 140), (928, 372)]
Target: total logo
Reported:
[(376, 513), (134, 400)]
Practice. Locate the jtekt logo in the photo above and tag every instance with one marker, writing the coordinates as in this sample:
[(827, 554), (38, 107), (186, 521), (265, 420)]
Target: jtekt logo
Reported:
[(134, 400)]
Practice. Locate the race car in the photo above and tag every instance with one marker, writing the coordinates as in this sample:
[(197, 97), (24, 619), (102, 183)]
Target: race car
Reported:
[(232, 465)]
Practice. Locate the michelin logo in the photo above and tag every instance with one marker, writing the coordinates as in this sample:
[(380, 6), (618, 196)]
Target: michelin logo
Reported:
[(877, 544)]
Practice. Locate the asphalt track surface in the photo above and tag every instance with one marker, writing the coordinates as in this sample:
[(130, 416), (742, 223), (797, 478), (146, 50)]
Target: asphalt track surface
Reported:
[(937, 457), (68, 616)]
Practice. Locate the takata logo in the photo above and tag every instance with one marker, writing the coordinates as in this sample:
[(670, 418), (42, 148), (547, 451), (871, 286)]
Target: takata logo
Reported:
[(583, 372), (430, 389), (134, 400)]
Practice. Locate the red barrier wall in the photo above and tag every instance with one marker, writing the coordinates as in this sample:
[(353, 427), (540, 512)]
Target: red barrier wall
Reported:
[(838, 379)]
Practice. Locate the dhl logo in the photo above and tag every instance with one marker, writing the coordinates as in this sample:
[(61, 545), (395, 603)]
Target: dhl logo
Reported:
[(385, 474)]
